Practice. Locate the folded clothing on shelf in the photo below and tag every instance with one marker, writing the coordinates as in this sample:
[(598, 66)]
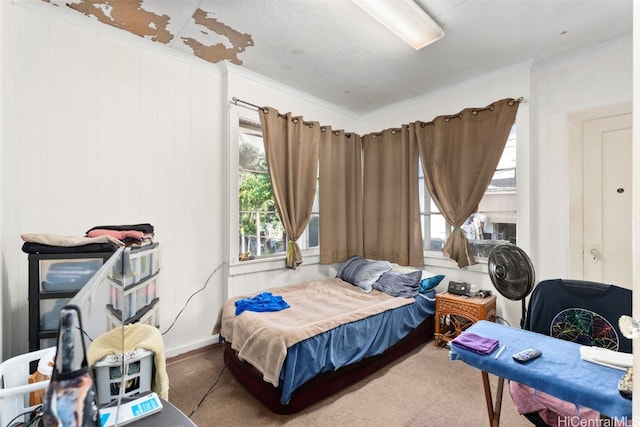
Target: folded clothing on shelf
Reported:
[(131, 235), (42, 243), (145, 228)]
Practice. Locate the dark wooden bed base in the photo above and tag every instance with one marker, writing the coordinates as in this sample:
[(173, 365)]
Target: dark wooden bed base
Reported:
[(324, 384)]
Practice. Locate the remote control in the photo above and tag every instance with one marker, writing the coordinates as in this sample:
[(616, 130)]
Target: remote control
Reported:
[(527, 355)]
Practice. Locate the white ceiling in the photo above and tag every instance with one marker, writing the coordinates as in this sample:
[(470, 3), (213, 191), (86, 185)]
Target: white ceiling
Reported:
[(332, 50)]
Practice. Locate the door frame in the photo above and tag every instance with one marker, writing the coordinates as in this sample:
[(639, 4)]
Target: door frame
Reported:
[(575, 165)]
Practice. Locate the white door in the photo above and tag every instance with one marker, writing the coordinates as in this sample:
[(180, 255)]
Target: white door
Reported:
[(607, 200)]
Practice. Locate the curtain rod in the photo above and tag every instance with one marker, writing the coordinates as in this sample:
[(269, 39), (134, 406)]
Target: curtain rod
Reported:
[(236, 101)]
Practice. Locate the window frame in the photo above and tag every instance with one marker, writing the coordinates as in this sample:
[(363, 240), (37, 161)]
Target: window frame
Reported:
[(312, 256), (425, 216), (238, 114), (254, 129)]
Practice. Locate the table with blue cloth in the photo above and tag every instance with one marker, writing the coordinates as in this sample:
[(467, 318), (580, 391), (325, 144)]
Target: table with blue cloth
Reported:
[(559, 372)]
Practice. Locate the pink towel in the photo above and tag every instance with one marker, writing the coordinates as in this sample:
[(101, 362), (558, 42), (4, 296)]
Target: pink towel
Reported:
[(120, 235), (553, 411)]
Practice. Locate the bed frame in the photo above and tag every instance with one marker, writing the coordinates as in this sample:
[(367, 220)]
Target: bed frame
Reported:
[(327, 383)]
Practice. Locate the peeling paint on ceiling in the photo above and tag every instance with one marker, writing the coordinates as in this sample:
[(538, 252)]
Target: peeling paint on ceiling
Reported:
[(127, 15), (332, 50), (219, 51), (131, 16)]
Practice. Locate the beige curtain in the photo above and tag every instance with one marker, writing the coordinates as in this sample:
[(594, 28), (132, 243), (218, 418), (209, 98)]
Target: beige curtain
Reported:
[(391, 209), (459, 155), (292, 151), (340, 196)]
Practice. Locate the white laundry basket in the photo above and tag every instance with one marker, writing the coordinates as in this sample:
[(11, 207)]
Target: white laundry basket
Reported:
[(15, 387), (108, 375)]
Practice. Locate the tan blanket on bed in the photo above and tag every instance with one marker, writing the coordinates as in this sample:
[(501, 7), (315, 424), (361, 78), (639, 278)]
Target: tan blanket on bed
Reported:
[(262, 338)]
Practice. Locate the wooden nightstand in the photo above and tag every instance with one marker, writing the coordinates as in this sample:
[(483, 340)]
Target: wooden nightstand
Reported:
[(456, 313)]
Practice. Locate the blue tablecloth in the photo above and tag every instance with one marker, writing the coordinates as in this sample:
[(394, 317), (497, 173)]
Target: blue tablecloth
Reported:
[(559, 371)]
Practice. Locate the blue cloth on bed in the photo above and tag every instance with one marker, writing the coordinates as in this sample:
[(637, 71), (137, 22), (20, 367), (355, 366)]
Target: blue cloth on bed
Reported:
[(559, 372), (261, 303)]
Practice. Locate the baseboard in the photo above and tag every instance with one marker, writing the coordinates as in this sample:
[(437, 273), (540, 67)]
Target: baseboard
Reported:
[(175, 354)]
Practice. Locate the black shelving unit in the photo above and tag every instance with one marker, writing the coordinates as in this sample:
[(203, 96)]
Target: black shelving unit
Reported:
[(40, 293)]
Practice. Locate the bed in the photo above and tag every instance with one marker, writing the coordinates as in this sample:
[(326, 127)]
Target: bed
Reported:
[(333, 333)]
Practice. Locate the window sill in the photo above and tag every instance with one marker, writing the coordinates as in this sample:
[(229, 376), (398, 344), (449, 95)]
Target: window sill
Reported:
[(312, 256), (436, 259), (276, 262)]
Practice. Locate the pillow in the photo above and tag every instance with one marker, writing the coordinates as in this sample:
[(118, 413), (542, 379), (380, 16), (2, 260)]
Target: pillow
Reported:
[(430, 282), (362, 272), (399, 284)]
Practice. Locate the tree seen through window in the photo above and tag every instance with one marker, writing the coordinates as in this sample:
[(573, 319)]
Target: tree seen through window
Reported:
[(261, 232)]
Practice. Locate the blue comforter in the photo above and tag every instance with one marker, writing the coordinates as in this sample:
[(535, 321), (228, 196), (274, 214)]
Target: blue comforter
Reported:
[(351, 343)]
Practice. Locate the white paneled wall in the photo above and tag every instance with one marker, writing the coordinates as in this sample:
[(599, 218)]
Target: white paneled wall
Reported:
[(6, 108), (111, 131), (251, 277)]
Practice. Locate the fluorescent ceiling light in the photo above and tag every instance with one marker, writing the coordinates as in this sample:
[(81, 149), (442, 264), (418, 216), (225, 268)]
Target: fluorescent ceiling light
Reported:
[(405, 19)]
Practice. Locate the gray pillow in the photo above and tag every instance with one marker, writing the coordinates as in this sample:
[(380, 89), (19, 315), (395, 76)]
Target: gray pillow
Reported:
[(399, 284), (362, 272)]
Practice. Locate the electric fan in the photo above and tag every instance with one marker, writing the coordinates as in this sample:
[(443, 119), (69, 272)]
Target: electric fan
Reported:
[(512, 273)]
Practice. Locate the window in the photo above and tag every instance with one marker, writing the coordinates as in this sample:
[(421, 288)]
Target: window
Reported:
[(311, 236), (261, 233), (495, 221)]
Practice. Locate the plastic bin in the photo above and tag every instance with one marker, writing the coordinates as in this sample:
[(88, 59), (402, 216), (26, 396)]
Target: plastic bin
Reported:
[(67, 276), (50, 313), (148, 315), (107, 373), (15, 387), (131, 299), (140, 264)]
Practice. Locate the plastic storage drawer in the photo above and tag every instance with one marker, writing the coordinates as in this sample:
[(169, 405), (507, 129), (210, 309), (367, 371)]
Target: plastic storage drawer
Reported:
[(143, 263), (131, 299)]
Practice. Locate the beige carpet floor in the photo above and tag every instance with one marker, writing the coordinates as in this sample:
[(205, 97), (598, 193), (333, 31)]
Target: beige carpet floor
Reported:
[(424, 388)]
